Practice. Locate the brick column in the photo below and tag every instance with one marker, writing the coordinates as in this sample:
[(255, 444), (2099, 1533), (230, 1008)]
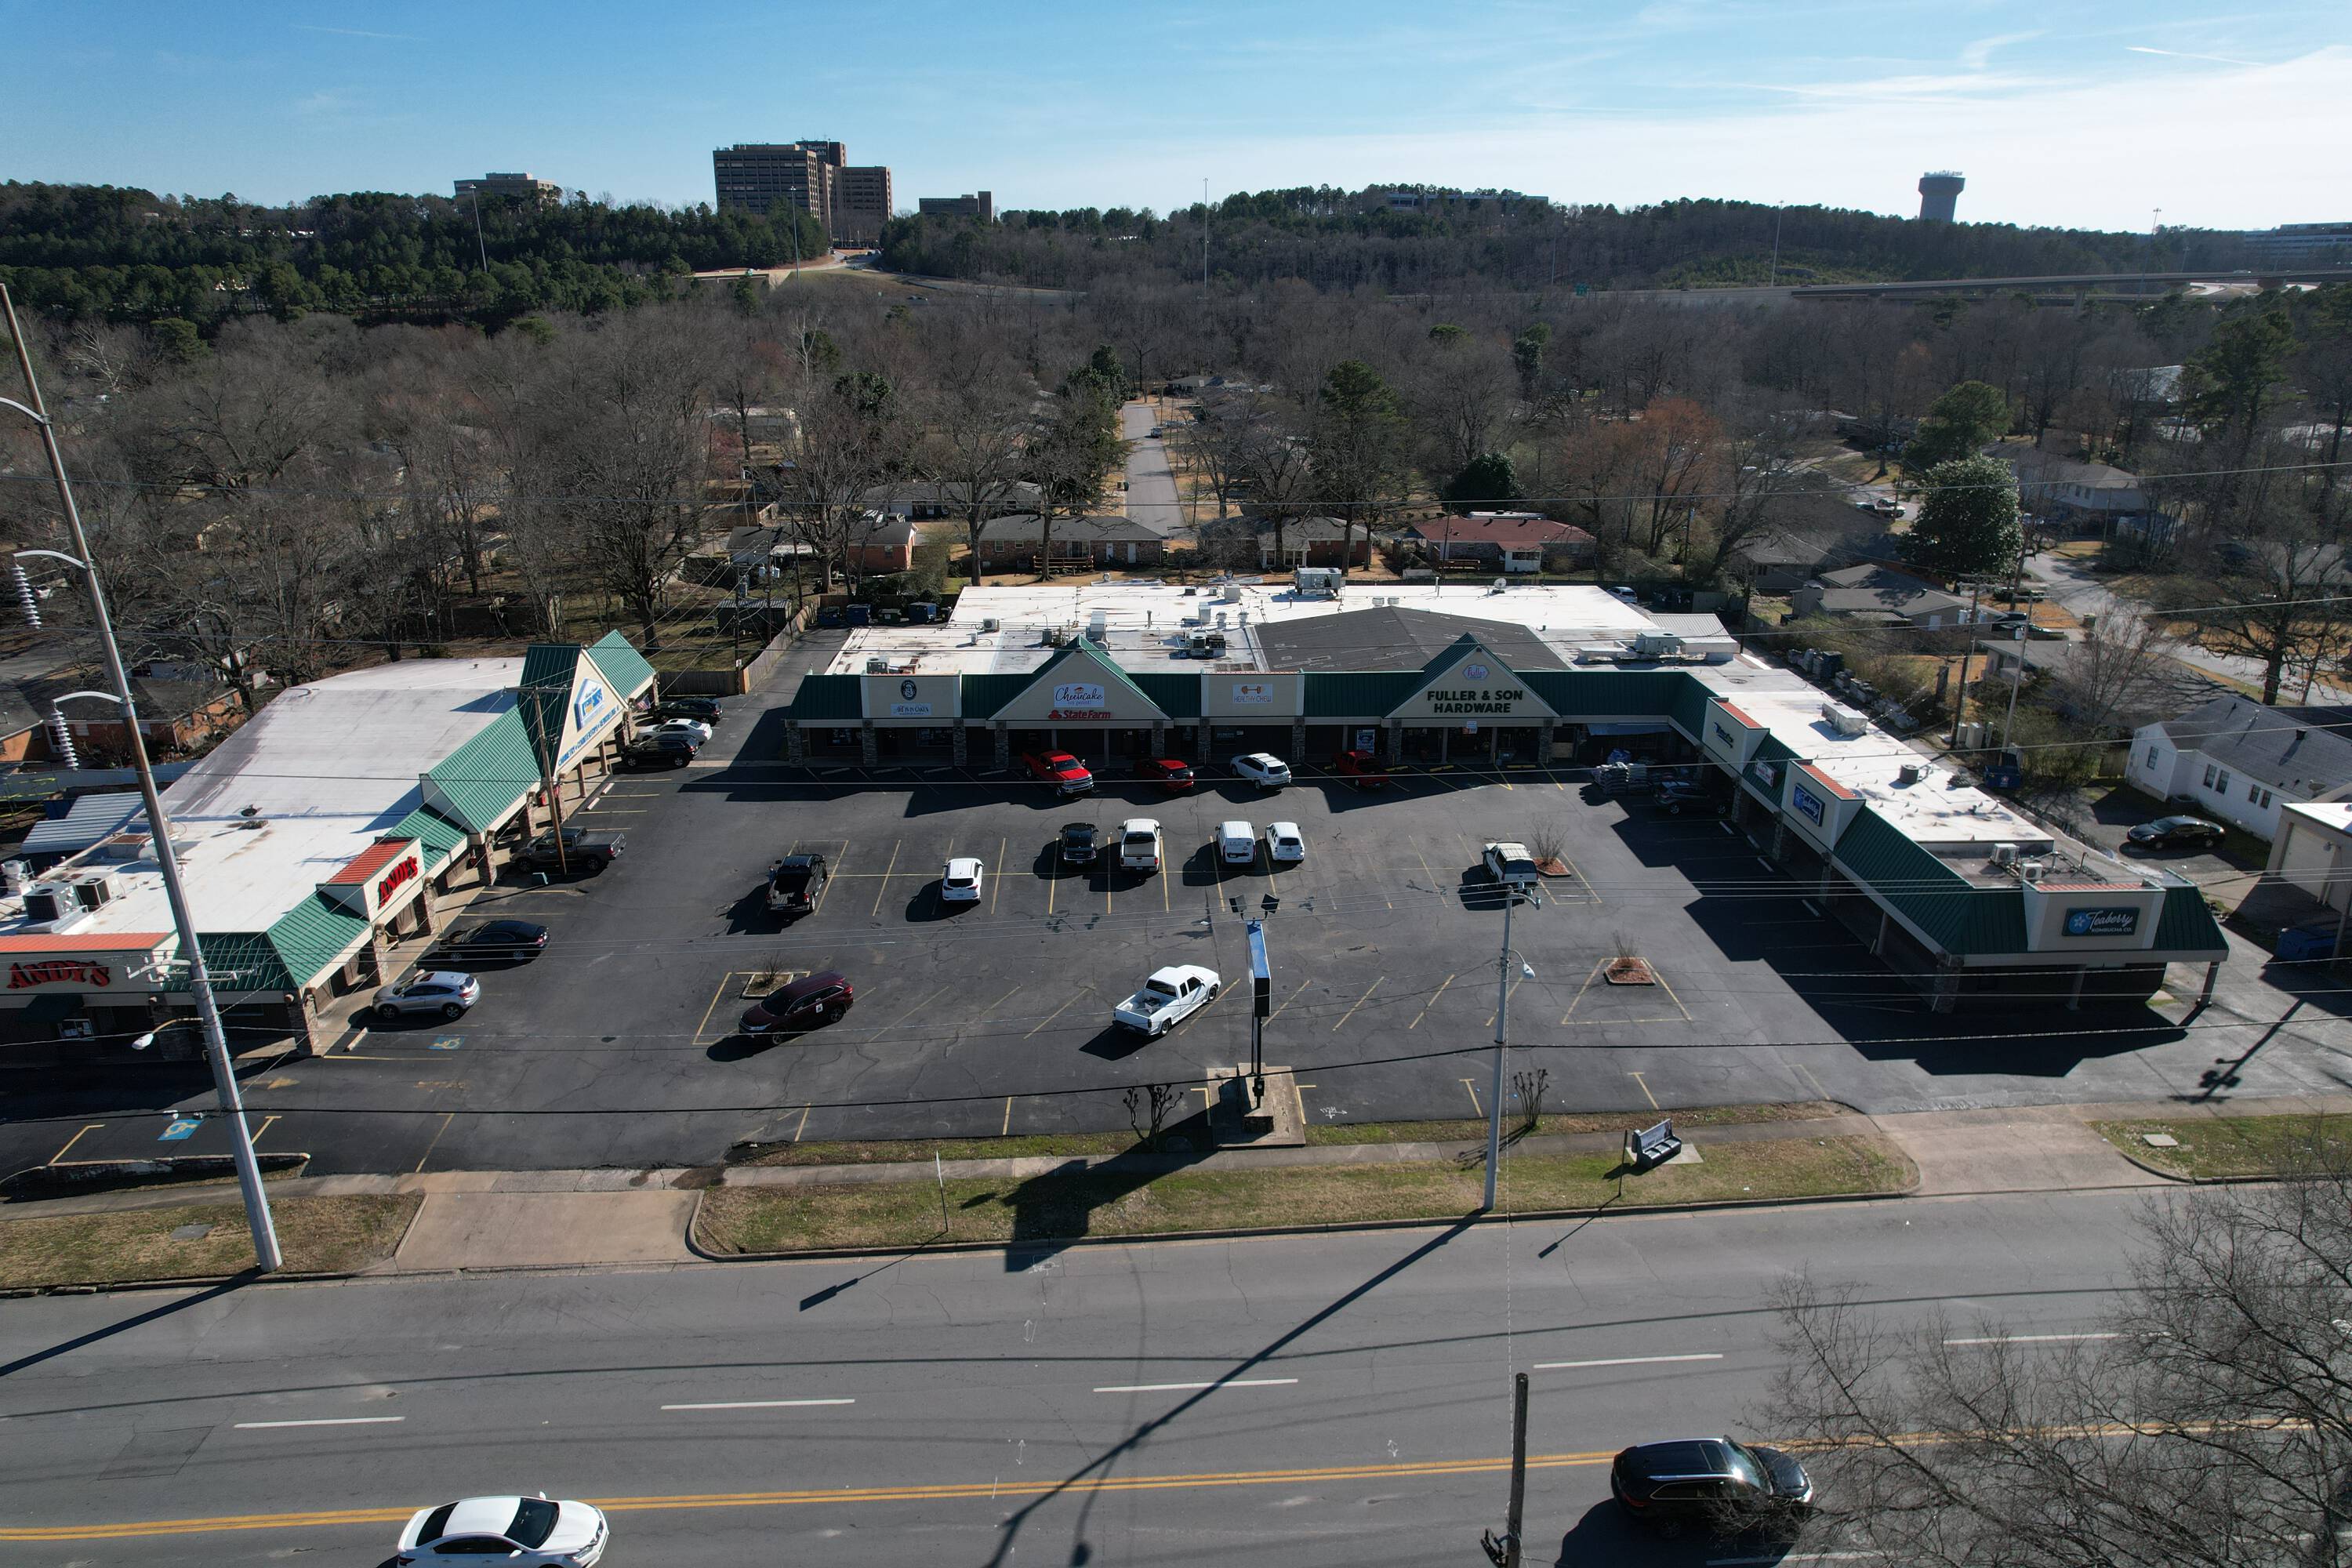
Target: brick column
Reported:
[(1159, 737), (1004, 747), (963, 745), (867, 753), (1392, 747), (1298, 739), (796, 744)]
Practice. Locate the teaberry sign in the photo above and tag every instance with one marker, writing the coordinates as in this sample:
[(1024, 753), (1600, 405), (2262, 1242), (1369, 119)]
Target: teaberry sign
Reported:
[(2112, 921), (51, 971)]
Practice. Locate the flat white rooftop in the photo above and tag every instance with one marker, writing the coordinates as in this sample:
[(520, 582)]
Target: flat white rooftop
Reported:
[(328, 766), (1144, 623)]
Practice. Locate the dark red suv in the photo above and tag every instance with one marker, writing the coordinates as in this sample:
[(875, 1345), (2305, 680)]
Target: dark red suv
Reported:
[(803, 1005), (1174, 776)]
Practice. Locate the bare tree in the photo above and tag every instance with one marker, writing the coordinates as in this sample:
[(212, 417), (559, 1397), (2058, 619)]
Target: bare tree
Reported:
[(2116, 672), (977, 420)]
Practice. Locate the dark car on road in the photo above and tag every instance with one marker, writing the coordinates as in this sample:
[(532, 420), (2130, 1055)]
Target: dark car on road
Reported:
[(796, 882), (1718, 1484), (671, 749), (803, 1005), (489, 940), (2176, 833), (1675, 797), (584, 851), (1080, 842), (1167, 772), (703, 710)]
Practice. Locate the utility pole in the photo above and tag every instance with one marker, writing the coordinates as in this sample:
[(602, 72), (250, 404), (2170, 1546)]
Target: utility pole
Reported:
[(1960, 695), (1773, 280), (265, 1255), (480, 244), (1505, 1553), (1204, 242), (1502, 1028)]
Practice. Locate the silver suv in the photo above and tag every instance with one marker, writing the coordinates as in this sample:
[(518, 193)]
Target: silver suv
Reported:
[(446, 993)]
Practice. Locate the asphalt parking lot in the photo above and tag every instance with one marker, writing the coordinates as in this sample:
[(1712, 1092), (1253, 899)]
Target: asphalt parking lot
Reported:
[(617, 1046)]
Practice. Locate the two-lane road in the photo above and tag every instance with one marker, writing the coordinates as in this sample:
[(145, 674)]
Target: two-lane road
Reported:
[(1341, 1400), (1151, 483)]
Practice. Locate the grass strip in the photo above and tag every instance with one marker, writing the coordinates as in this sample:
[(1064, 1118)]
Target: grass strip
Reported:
[(2218, 1146), (1070, 1145), (317, 1235), (1064, 1205)]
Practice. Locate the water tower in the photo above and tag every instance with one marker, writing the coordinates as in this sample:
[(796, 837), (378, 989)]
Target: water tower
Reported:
[(1940, 192)]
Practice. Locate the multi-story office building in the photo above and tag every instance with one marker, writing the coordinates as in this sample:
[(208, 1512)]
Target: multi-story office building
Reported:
[(981, 207), (852, 202), (522, 187), (2303, 244)]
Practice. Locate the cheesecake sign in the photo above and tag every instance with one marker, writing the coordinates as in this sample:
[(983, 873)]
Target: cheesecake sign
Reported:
[(1078, 700)]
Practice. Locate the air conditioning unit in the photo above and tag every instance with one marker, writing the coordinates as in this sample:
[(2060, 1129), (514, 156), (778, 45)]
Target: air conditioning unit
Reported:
[(2030, 869), (46, 901), (877, 666), (992, 625), (1910, 774), (2004, 855), (1843, 720), (94, 889)]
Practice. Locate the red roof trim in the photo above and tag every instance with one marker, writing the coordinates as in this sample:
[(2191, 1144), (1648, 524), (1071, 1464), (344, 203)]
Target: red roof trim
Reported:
[(369, 861), (1826, 782), (1733, 710), (111, 941)]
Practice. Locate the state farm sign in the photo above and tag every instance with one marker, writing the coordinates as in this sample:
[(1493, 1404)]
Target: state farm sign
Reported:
[(59, 972)]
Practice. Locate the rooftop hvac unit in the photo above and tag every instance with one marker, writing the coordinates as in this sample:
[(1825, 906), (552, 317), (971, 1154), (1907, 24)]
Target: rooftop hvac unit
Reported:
[(1232, 594), (2004, 855), (1656, 642), (1843, 720), (1099, 624), (2030, 869), (877, 666), (95, 889), (991, 623), (48, 901), (1910, 774)]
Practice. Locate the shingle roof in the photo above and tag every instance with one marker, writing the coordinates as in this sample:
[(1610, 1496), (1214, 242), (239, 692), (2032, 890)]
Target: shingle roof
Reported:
[(1500, 529), (1389, 636), (1855, 590), (1024, 528), (2281, 747)]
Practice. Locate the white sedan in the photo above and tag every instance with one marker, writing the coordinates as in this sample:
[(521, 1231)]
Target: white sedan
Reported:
[(524, 1531), (960, 882), (1262, 769), (1284, 843), (694, 729)]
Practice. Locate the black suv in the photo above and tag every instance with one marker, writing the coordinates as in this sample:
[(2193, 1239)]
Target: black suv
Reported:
[(1677, 796), (795, 883), (1721, 1485), (703, 710), (673, 750), (1079, 843), (489, 940)]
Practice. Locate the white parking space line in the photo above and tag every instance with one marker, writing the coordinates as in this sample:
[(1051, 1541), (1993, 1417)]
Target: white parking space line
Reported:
[(2030, 1339), (1624, 1360), (1181, 1387), (324, 1421), (758, 1403)]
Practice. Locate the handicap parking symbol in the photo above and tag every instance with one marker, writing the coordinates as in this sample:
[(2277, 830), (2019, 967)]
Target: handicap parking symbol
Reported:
[(180, 1127), (448, 1042)]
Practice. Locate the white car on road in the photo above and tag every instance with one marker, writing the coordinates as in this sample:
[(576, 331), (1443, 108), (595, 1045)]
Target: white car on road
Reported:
[(960, 882), (1237, 843), (1171, 995), (1284, 843), (526, 1531), (1262, 769)]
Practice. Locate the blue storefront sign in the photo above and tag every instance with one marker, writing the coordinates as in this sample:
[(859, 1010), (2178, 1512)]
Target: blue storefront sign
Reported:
[(1807, 802)]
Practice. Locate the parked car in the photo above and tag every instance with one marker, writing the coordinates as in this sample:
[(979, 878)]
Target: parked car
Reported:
[(1171, 995), (1284, 843), (660, 751), (1156, 430), (2176, 833), (1067, 774), (445, 993), (487, 940), (1510, 864), (584, 851), (1139, 844), (1171, 774), (1077, 844), (528, 1532), (803, 1005), (961, 880), (1677, 796), (704, 709), (796, 883), (1262, 769), (1361, 769), (1237, 843), (696, 728), (1716, 1483)]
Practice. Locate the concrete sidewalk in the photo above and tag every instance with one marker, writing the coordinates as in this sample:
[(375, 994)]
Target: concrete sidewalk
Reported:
[(503, 1219)]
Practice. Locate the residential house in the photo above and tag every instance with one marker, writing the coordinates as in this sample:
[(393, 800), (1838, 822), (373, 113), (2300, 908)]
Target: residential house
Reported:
[(2237, 760), (1011, 543), (880, 542), (2069, 490), (928, 501), (1880, 595), (1281, 545), (1511, 540), (179, 704)]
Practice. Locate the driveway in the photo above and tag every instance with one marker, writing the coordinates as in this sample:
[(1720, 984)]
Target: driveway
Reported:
[(2072, 583), (1151, 485)]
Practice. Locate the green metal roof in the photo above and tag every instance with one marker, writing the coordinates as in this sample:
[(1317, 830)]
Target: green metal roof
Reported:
[(1958, 917), (1361, 694), (543, 694), (1069, 651), (485, 778), (623, 666), (1603, 693), (2186, 924), (986, 694), (309, 940), (1176, 695), (549, 664), (1687, 705), (441, 837), (244, 960), (827, 697)]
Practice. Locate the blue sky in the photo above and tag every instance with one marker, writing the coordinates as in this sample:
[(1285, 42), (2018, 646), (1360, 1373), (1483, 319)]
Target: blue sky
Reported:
[(2092, 114)]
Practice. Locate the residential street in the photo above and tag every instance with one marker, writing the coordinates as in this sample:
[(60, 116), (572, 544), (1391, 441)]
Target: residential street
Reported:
[(1151, 485), (1327, 1400)]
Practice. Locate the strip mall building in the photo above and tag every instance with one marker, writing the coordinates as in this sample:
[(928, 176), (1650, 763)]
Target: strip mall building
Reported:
[(1946, 884), (313, 838)]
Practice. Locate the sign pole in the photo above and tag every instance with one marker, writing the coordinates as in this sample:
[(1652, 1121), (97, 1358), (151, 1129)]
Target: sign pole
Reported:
[(1261, 1007)]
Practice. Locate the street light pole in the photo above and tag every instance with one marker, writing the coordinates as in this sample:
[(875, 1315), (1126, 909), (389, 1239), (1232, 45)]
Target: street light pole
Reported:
[(1502, 1028), (267, 1257)]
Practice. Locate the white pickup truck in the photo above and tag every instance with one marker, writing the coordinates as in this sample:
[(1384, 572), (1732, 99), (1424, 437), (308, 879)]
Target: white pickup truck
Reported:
[(1171, 995), (1138, 844)]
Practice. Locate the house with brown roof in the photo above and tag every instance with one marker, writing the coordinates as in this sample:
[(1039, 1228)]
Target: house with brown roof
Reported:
[(1510, 541)]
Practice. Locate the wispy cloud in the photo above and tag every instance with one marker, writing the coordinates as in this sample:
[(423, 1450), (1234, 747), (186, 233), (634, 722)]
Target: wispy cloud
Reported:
[(1974, 56), (2184, 54), (359, 33)]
